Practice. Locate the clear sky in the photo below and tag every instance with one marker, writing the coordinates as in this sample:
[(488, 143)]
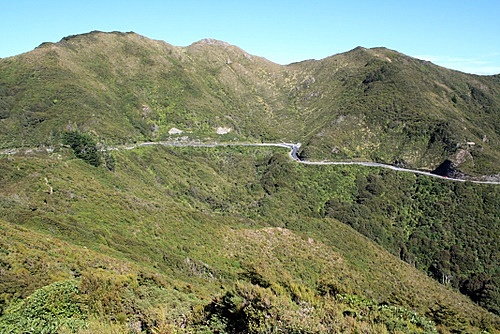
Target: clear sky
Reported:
[(458, 34)]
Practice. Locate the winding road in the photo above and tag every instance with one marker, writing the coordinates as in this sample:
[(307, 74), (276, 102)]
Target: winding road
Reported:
[(294, 155), (293, 147), (294, 150)]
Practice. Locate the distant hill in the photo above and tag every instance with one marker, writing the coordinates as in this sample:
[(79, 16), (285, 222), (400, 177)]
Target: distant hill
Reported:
[(374, 104)]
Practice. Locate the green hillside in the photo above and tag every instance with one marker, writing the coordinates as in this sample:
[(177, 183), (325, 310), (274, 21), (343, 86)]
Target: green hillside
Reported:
[(204, 238), (385, 106), (242, 239), (373, 104)]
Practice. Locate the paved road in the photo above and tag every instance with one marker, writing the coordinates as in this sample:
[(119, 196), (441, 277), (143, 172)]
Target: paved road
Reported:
[(293, 147)]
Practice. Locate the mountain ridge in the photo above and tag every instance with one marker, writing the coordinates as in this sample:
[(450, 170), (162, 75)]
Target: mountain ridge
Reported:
[(402, 108), (211, 40)]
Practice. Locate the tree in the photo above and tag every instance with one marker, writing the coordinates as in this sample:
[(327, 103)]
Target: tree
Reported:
[(83, 146)]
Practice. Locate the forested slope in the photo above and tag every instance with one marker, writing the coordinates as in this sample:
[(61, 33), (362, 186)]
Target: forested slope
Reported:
[(212, 238), (243, 239)]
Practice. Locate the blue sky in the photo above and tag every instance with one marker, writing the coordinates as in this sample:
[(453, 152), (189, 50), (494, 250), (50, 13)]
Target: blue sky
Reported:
[(458, 34)]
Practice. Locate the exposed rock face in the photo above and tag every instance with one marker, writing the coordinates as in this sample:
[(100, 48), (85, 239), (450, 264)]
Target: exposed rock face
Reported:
[(447, 168), (463, 156), (174, 131), (223, 131)]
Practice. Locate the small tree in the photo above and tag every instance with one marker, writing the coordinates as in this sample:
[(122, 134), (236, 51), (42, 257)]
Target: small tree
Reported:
[(84, 146)]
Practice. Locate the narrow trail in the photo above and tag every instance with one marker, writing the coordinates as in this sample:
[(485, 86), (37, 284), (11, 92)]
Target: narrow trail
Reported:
[(294, 149)]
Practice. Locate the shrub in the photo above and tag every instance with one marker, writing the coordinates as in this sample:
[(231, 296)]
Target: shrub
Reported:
[(46, 310), (84, 146)]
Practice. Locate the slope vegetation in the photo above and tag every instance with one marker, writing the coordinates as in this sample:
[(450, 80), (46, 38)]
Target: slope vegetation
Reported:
[(206, 239), (372, 104), (242, 239), (402, 110)]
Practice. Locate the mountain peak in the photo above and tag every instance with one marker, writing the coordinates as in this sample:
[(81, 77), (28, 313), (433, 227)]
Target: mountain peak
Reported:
[(211, 41), (97, 32)]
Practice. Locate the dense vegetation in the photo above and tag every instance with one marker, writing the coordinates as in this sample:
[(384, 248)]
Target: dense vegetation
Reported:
[(206, 239), (396, 109), (86, 148), (447, 229), (242, 239)]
